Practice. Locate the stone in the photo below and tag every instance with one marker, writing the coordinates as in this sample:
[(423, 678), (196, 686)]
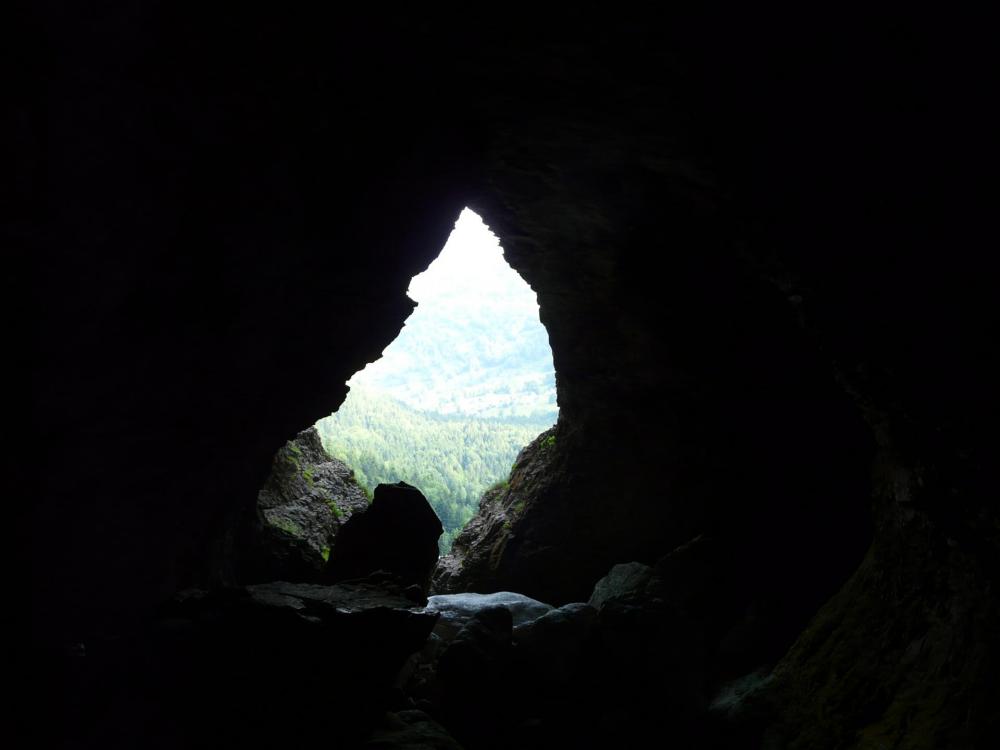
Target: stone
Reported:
[(306, 499), (410, 730), (474, 670), (555, 649), (455, 610), (478, 651), (396, 535), (624, 581)]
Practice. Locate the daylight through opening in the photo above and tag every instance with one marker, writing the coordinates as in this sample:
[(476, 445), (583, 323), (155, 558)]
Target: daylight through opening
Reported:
[(465, 386)]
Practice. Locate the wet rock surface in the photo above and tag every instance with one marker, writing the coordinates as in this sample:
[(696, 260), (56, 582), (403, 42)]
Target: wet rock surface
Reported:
[(397, 534), (454, 610), (305, 501)]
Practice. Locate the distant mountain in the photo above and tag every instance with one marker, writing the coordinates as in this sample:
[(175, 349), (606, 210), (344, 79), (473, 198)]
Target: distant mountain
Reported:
[(474, 344)]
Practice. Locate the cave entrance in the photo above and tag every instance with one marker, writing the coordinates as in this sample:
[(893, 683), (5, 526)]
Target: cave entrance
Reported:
[(468, 382)]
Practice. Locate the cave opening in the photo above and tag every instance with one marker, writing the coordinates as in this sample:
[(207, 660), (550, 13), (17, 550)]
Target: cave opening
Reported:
[(466, 385)]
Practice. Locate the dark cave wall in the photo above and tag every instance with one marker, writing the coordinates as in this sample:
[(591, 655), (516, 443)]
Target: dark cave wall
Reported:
[(692, 399), (757, 245), (234, 206)]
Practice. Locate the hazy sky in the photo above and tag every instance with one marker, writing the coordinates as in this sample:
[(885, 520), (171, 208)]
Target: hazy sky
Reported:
[(471, 264), (474, 344)]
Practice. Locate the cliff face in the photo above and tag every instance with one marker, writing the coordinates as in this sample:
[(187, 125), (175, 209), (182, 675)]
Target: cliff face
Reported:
[(758, 249), (497, 538)]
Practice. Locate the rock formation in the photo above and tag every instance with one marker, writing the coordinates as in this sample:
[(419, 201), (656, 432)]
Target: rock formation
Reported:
[(497, 537), (307, 498), (398, 535)]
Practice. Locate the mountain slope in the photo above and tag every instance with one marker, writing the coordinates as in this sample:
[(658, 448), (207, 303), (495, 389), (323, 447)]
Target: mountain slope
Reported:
[(452, 459)]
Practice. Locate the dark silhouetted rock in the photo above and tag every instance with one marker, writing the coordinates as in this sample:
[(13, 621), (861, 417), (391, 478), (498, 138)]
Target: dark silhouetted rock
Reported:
[(410, 730), (455, 611), (397, 534), (473, 670), (268, 665), (478, 652), (555, 649), (625, 581), (306, 499)]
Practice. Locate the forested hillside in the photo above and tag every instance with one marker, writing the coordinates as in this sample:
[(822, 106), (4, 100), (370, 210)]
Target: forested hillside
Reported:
[(474, 344), (451, 458)]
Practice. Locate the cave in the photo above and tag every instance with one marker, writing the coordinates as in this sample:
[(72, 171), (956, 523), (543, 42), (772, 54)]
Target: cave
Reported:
[(761, 250)]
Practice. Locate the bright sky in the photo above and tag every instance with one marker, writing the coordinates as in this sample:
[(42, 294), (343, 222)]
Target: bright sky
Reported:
[(471, 261), (474, 344)]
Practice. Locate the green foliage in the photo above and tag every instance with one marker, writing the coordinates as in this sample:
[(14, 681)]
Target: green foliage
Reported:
[(308, 475), (294, 455), (549, 442), (325, 552), (337, 512), (497, 486), (451, 459), (332, 505)]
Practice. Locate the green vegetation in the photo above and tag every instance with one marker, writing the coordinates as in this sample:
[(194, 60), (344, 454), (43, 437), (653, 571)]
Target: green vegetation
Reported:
[(295, 455), (332, 505), (497, 486), (451, 459)]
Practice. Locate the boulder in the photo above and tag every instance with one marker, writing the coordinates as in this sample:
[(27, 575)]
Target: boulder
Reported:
[(410, 730), (455, 610), (419, 679), (554, 650), (306, 499), (626, 581), (478, 653), (474, 672), (397, 534)]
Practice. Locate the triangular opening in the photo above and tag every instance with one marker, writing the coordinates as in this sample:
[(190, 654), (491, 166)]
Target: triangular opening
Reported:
[(465, 386)]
